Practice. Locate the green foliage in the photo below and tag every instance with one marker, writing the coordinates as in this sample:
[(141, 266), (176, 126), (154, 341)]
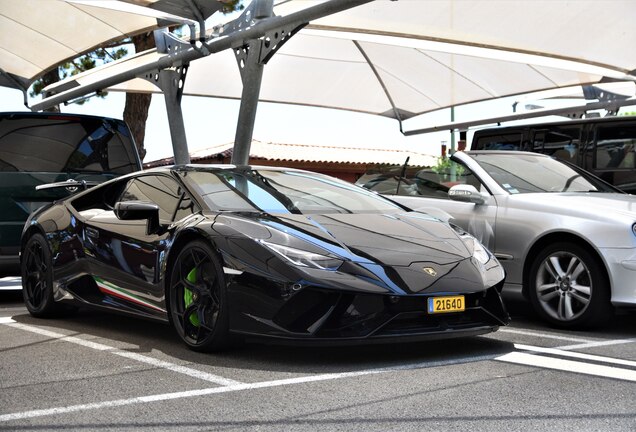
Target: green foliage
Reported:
[(232, 6), (443, 167), (628, 113), (81, 64)]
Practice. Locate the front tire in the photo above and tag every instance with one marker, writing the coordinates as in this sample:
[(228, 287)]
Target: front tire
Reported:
[(568, 287), (198, 298)]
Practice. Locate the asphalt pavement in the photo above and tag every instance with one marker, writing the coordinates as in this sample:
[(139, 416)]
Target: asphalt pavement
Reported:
[(99, 371)]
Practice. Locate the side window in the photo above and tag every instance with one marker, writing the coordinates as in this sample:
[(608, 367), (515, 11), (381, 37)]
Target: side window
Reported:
[(615, 147), (100, 199), (162, 190), (415, 182), (501, 141), (563, 142), (426, 182), (451, 173)]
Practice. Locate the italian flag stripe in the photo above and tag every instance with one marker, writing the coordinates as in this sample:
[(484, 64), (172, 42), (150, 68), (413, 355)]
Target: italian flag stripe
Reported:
[(119, 292)]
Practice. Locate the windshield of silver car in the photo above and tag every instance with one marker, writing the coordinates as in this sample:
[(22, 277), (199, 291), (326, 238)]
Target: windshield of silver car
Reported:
[(520, 173)]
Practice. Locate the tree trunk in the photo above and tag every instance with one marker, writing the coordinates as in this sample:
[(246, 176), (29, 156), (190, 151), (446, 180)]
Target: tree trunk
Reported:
[(137, 104), (47, 79)]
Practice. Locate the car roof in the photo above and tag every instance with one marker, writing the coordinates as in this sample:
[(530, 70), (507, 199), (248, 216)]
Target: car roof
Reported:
[(219, 167), (51, 115), (505, 152), (542, 125)]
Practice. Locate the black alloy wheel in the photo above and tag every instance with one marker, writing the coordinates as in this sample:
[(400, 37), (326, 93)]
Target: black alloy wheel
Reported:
[(569, 288), (198, 299), (37, 278)]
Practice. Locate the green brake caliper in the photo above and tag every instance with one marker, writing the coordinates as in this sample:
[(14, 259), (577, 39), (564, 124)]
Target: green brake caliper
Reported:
[(188, 297)]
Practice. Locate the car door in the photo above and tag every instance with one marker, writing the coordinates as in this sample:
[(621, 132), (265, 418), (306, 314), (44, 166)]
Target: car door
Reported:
[(127, 257)]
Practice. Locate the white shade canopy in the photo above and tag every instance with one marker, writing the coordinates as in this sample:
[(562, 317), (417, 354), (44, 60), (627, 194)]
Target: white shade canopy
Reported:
[(590, 31), (392, 58), (37, 35), (401, 59)]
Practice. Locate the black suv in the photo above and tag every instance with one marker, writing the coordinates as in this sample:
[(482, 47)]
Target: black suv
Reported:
[(43, 148), (604, 146)]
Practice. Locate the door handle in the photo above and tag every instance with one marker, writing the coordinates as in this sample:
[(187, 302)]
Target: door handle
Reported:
[(92, 232)]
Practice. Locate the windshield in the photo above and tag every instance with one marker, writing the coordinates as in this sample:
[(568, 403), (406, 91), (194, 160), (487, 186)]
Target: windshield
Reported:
[(520, 173), (283, 192)]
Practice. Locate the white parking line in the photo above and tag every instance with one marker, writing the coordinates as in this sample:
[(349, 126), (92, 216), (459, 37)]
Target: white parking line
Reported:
[(577, 355), (568, 366), (230, 388), (545, 335), (551, 358), (127, 354), (169, 396), (598, 344), (542, 361)]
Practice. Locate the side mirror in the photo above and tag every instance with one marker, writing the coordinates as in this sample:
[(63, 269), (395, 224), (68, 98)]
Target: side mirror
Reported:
[(139, 210), (466, 193)]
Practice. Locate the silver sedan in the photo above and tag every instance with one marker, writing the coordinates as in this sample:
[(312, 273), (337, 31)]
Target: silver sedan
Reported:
[(566, 239)]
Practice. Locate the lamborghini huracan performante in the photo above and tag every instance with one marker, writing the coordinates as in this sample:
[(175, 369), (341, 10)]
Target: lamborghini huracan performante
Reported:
[(225, 252)]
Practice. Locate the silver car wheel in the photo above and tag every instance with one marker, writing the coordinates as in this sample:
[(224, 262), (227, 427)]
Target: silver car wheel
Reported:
[(564, 286)]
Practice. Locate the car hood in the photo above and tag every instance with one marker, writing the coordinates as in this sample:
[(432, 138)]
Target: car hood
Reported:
[(395, 240), (599, 205)]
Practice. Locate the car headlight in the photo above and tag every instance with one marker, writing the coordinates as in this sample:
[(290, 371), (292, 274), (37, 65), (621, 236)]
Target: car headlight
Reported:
[(303, 258), (478, 250), (634, 229)]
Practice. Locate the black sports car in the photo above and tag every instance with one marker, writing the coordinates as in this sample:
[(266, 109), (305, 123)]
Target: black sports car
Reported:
[(224, 251)]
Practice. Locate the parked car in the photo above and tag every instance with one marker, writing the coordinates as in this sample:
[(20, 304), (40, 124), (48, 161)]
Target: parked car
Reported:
[(401, 182), (42, 148), (566, 238), (604, 146), (259, 252)]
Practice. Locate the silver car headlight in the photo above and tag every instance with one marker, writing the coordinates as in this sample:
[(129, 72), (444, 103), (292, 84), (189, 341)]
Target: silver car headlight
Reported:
[(304, 258), (634, 229)]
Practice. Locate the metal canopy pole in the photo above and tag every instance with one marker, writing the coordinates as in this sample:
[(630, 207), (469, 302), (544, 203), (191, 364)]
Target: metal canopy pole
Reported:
[(251, 67), (171, 81), (172, 91), (252, 76)]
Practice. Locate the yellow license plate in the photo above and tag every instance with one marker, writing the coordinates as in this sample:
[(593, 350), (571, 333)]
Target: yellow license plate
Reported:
[(446, 304)]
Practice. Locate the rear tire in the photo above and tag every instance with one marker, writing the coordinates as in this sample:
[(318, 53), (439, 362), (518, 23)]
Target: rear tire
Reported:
[(569, 288), (37, 279), (198, 300)]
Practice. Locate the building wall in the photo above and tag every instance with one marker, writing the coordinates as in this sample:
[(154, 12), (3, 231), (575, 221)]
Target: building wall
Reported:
[(346, 171)]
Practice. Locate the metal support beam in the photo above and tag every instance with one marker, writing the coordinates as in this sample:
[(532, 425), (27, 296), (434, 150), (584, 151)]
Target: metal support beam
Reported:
[(172, 95), (572, 112), (251, 68), (235, 39), (171, 82), (253, 73)]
